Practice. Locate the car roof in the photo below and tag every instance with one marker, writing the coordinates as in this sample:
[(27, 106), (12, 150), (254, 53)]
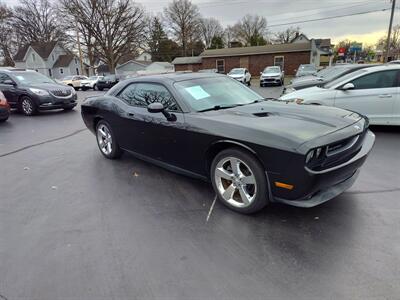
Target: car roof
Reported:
[(12, 69), (382, 68), (174, 77)]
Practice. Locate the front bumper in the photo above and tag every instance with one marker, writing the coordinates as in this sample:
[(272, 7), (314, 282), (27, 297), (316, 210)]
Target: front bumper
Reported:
[(51, 102), (328, 184), (270, 80)]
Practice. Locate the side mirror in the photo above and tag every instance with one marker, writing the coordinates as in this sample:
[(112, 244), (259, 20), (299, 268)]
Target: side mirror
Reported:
[(9, 82), (348, 86), (157, 107)]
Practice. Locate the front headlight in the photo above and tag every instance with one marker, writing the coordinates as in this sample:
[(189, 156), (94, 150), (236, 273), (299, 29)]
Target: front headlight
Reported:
[(315, 154), (39, 92)]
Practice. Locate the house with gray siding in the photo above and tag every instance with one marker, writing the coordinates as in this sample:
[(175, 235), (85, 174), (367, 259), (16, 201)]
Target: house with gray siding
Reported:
[(49, 59)]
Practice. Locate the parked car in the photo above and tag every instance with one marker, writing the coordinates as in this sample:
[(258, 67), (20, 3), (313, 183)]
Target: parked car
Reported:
[(306, 69), (241, 74), (4, 108), (74, 81), (30, 91), (373, 92), (254, 151), (272, 75), (90, 83), (109, 81), (323, 76)]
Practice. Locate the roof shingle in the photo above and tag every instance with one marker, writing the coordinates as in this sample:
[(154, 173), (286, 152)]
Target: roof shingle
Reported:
[(276, 48)]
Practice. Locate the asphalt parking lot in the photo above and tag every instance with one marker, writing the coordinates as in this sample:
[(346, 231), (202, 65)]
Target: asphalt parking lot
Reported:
[(74, 225)]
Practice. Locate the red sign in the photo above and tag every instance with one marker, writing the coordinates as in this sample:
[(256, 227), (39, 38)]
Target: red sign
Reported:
[(341, 51)]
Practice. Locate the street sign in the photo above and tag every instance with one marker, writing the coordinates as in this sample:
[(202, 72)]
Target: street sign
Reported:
[(355, 47), (341, 51)]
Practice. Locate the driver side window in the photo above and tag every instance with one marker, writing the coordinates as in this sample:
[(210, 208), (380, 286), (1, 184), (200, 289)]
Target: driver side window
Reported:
[(4, 77), (385, 79), (142, 94)]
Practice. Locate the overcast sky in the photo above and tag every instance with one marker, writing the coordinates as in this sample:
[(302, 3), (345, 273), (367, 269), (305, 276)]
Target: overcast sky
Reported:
[(366, 28)]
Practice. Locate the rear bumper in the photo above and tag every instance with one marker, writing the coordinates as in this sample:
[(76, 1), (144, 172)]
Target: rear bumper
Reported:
[(328, 184), (4, 113)]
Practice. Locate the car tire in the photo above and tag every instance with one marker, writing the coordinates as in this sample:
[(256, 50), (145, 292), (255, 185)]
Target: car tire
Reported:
[(27, 106), (3, 120), (100, 88), (261, 85), (249, 83), (95, 87), (84, 89), (106, 141), (248, 181)]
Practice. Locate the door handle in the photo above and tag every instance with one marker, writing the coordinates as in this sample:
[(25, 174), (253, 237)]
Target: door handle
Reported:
[(385, 96)]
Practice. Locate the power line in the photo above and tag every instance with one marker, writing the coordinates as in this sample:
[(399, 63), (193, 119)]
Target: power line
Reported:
[(331, 17)]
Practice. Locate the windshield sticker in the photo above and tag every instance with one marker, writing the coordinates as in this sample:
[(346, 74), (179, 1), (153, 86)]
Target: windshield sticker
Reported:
[(197, 92)]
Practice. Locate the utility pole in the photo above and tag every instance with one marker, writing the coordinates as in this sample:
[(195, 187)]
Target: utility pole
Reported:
[(79, 49), (390, 30)]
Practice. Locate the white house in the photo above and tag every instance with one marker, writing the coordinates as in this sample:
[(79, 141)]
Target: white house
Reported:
[(158, 67), (321, 50), (131, 67), (50, 59), (144, 56)]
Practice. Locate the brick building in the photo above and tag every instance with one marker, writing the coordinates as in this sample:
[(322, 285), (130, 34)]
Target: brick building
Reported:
[(255, 59)]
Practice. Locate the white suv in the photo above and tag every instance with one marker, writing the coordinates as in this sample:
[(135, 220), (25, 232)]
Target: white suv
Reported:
[(241, 74)]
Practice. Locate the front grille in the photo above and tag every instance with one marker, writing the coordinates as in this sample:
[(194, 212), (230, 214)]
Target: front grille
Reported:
[(339, 152), (61, 93)]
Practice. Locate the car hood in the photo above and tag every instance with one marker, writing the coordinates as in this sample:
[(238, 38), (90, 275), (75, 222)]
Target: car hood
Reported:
[(271, 74), (281, 125), (236, 75), (49, 86), (305, 93)]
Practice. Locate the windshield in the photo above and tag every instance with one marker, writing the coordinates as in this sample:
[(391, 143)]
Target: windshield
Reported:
[(344, 78), (236, 71), (68, 78), (206, 93), (272, 70), (31, 78)]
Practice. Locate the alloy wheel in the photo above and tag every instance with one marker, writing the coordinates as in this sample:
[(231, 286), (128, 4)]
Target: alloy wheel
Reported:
[(104, 139), (27, 106), (235, 182)]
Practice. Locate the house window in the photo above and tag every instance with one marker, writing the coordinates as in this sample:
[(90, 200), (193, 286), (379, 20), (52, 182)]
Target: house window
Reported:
[(279, 61), (220, 64), (50, 74), (76, 61), (52, 56), (61, 71), (33, 57), (77, 71)]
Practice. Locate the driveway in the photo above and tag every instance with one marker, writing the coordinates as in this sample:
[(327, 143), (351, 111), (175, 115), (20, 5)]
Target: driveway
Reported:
[(74, 225)]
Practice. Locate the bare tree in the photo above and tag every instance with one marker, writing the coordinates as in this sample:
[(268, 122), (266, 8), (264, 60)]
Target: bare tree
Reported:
[(183, 18), (251, 30), (114, 28), (394, 45), (7, 41), (210, 28), (286, 36), (37, 21)]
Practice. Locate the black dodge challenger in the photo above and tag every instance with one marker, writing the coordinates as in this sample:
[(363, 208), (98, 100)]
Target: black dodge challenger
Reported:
[(253, 150)]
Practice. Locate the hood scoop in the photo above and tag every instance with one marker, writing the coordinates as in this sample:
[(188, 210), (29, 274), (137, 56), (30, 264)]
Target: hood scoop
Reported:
[(262, 114)]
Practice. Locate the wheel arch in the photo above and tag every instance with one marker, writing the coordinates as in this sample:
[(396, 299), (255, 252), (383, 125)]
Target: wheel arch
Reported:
[(221, 145)]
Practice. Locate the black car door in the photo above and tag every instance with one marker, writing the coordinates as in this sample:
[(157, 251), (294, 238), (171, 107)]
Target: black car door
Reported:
[(9, 88), (151, 134)]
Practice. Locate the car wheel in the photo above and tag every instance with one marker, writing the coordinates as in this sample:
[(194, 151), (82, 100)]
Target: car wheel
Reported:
[(249, 82), (100, 88), (106, 141), (239, 181), (94, 87), (84, 89), (3, 120), (27, 106)]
